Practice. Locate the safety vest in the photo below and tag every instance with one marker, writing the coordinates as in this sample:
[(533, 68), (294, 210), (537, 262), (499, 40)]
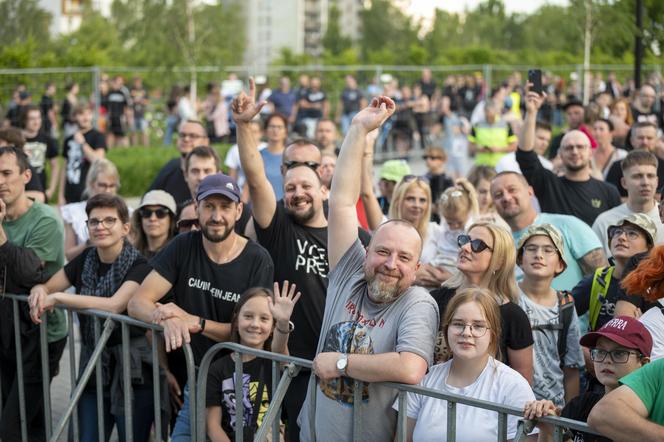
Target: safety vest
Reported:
[(598, 291)]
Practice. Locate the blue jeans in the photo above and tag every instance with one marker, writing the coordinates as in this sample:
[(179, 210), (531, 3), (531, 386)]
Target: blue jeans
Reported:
[(182, 429), (143, 417), (171, 127)]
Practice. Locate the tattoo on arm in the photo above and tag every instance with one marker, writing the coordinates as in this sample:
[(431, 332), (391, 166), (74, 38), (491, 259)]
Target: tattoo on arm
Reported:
[(592, 260)]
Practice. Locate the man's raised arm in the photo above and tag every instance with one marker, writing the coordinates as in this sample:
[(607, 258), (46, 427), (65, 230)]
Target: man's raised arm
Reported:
[(263, 198), (533, 103), (342, 219)]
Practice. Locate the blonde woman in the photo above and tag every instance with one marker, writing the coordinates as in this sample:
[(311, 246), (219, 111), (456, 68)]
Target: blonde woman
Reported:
[(487, 259)]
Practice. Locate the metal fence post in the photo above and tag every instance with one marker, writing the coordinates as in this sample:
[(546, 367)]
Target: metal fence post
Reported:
[(96, 79), (488, 71), (19, 372), (451, 421), (357, 411), (239, 398), (156, 387), (126, 384), (402, 416), (195, 429), (101, 429), (502, 427), (72, 369), (46, 375)]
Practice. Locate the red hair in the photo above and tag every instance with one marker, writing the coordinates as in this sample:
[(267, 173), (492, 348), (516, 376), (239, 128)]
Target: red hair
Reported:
[(647, 279)]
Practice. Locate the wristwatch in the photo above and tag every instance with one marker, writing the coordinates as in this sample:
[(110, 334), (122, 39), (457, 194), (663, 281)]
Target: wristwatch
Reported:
[(342, 364), (201, 324)]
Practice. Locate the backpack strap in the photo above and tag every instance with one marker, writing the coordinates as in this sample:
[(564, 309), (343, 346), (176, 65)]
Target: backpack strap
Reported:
[(598, 291), (565, 317)]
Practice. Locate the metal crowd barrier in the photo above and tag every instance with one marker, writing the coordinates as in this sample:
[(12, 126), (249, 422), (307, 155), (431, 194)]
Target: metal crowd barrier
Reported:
[(197, 386), (94, 364), (293, 365)]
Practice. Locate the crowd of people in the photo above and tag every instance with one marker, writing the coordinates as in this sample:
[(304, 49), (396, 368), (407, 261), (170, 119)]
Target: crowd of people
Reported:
[(521, 269)]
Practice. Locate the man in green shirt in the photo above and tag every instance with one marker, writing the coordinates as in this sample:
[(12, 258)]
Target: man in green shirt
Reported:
[(31, 250), (635, 410)]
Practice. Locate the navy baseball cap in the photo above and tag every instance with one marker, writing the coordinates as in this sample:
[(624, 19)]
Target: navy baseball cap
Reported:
[(218, 184)]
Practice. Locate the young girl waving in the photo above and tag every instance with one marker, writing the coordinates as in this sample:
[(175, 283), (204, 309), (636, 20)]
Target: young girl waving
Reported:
[(261, 321)]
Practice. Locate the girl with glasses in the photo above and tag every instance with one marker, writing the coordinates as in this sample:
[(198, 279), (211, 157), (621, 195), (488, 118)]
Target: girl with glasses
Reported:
[(154, 222), (472, 326), (105, 277), (486, 259), (620, 347)]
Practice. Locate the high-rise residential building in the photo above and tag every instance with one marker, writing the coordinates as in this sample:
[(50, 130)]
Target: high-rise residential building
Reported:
[(298, 25)]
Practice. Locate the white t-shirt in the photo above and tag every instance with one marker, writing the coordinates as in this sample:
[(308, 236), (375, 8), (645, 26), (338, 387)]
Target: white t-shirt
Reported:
[(232, 161), (653, 320), (497, 383)]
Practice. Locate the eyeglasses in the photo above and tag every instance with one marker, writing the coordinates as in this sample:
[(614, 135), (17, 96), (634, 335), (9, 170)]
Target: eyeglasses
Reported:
[(631, 234), (431, 157), (147, 213), (617, 356), (107, 222), (187, 223), (409, 178), (476, 330), (310, 164), (193, 136), (546, 250), (571, 147), (476, 245), (107, 186)]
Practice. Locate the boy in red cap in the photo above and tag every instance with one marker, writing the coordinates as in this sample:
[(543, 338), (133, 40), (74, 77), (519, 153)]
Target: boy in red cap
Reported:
[(618, 348)]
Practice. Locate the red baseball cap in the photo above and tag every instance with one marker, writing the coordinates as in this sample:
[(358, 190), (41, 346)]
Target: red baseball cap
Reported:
[(622, 330)]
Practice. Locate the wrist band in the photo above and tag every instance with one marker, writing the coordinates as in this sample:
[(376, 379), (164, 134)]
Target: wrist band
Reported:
[(291, 327)]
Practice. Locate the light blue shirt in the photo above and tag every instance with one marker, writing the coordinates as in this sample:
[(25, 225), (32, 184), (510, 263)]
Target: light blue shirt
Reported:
[(272, 164), (579, 239)]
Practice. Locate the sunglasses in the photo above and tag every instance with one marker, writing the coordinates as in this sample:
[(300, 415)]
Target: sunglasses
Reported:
[(310, 164), (476, 245), (431, 157), (187, 223), (147, 213)]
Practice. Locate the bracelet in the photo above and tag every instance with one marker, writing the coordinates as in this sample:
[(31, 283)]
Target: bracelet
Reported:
[(291, 327)]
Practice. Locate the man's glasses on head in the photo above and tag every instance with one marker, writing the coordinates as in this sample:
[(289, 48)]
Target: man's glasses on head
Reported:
[(310, 164), (187, 224)]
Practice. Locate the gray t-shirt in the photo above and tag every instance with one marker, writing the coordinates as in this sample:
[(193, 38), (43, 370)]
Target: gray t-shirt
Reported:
[(547, 374), (354, 324)]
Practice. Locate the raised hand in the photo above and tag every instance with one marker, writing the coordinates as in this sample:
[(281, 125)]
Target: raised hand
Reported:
[(281, 306), (374, 115), (533, 99), (244, 106)]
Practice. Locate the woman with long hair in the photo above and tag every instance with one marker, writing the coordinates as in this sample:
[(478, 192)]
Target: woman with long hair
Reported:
[(154, 222), (487, 259), (472, 327)]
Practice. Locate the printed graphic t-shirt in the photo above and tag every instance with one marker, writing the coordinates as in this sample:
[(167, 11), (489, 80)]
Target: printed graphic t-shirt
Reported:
[(205, 288), (39, 149), (77, 166), (354, 324), (256, 379)]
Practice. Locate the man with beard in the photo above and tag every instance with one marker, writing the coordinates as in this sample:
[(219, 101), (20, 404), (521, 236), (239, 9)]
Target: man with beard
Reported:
[(370, 296), (576, 192), (208, 269)]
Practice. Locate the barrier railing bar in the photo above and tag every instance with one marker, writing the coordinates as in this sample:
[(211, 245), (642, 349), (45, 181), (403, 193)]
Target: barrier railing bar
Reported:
[(126, 384), (357, 411), (72, 369), (558, 434), (502, 427), (99, 388), (193, 388), (85, 377), (402, 416), (19, 372), (275, 387), (271, 417), (313, 380), (46, 376), (451, 421), (156, 390), (239, 399)]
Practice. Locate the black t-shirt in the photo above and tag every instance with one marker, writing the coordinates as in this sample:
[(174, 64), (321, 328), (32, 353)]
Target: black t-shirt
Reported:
[(656, 118), (117, 100), (77, 165), (581, 294), (578, 409), (615, 174), (438, 184), (66, 112), (205, 288), (171, 179), (350, 98), (35, 183), (428, 87), (516, 333), (583, 199), (45, 106), (313, 97), (39, 149), (257, 376), (74, 272)]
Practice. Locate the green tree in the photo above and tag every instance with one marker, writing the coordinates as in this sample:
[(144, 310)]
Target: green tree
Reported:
[(387, 33), (333, 40), (21, 20)]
